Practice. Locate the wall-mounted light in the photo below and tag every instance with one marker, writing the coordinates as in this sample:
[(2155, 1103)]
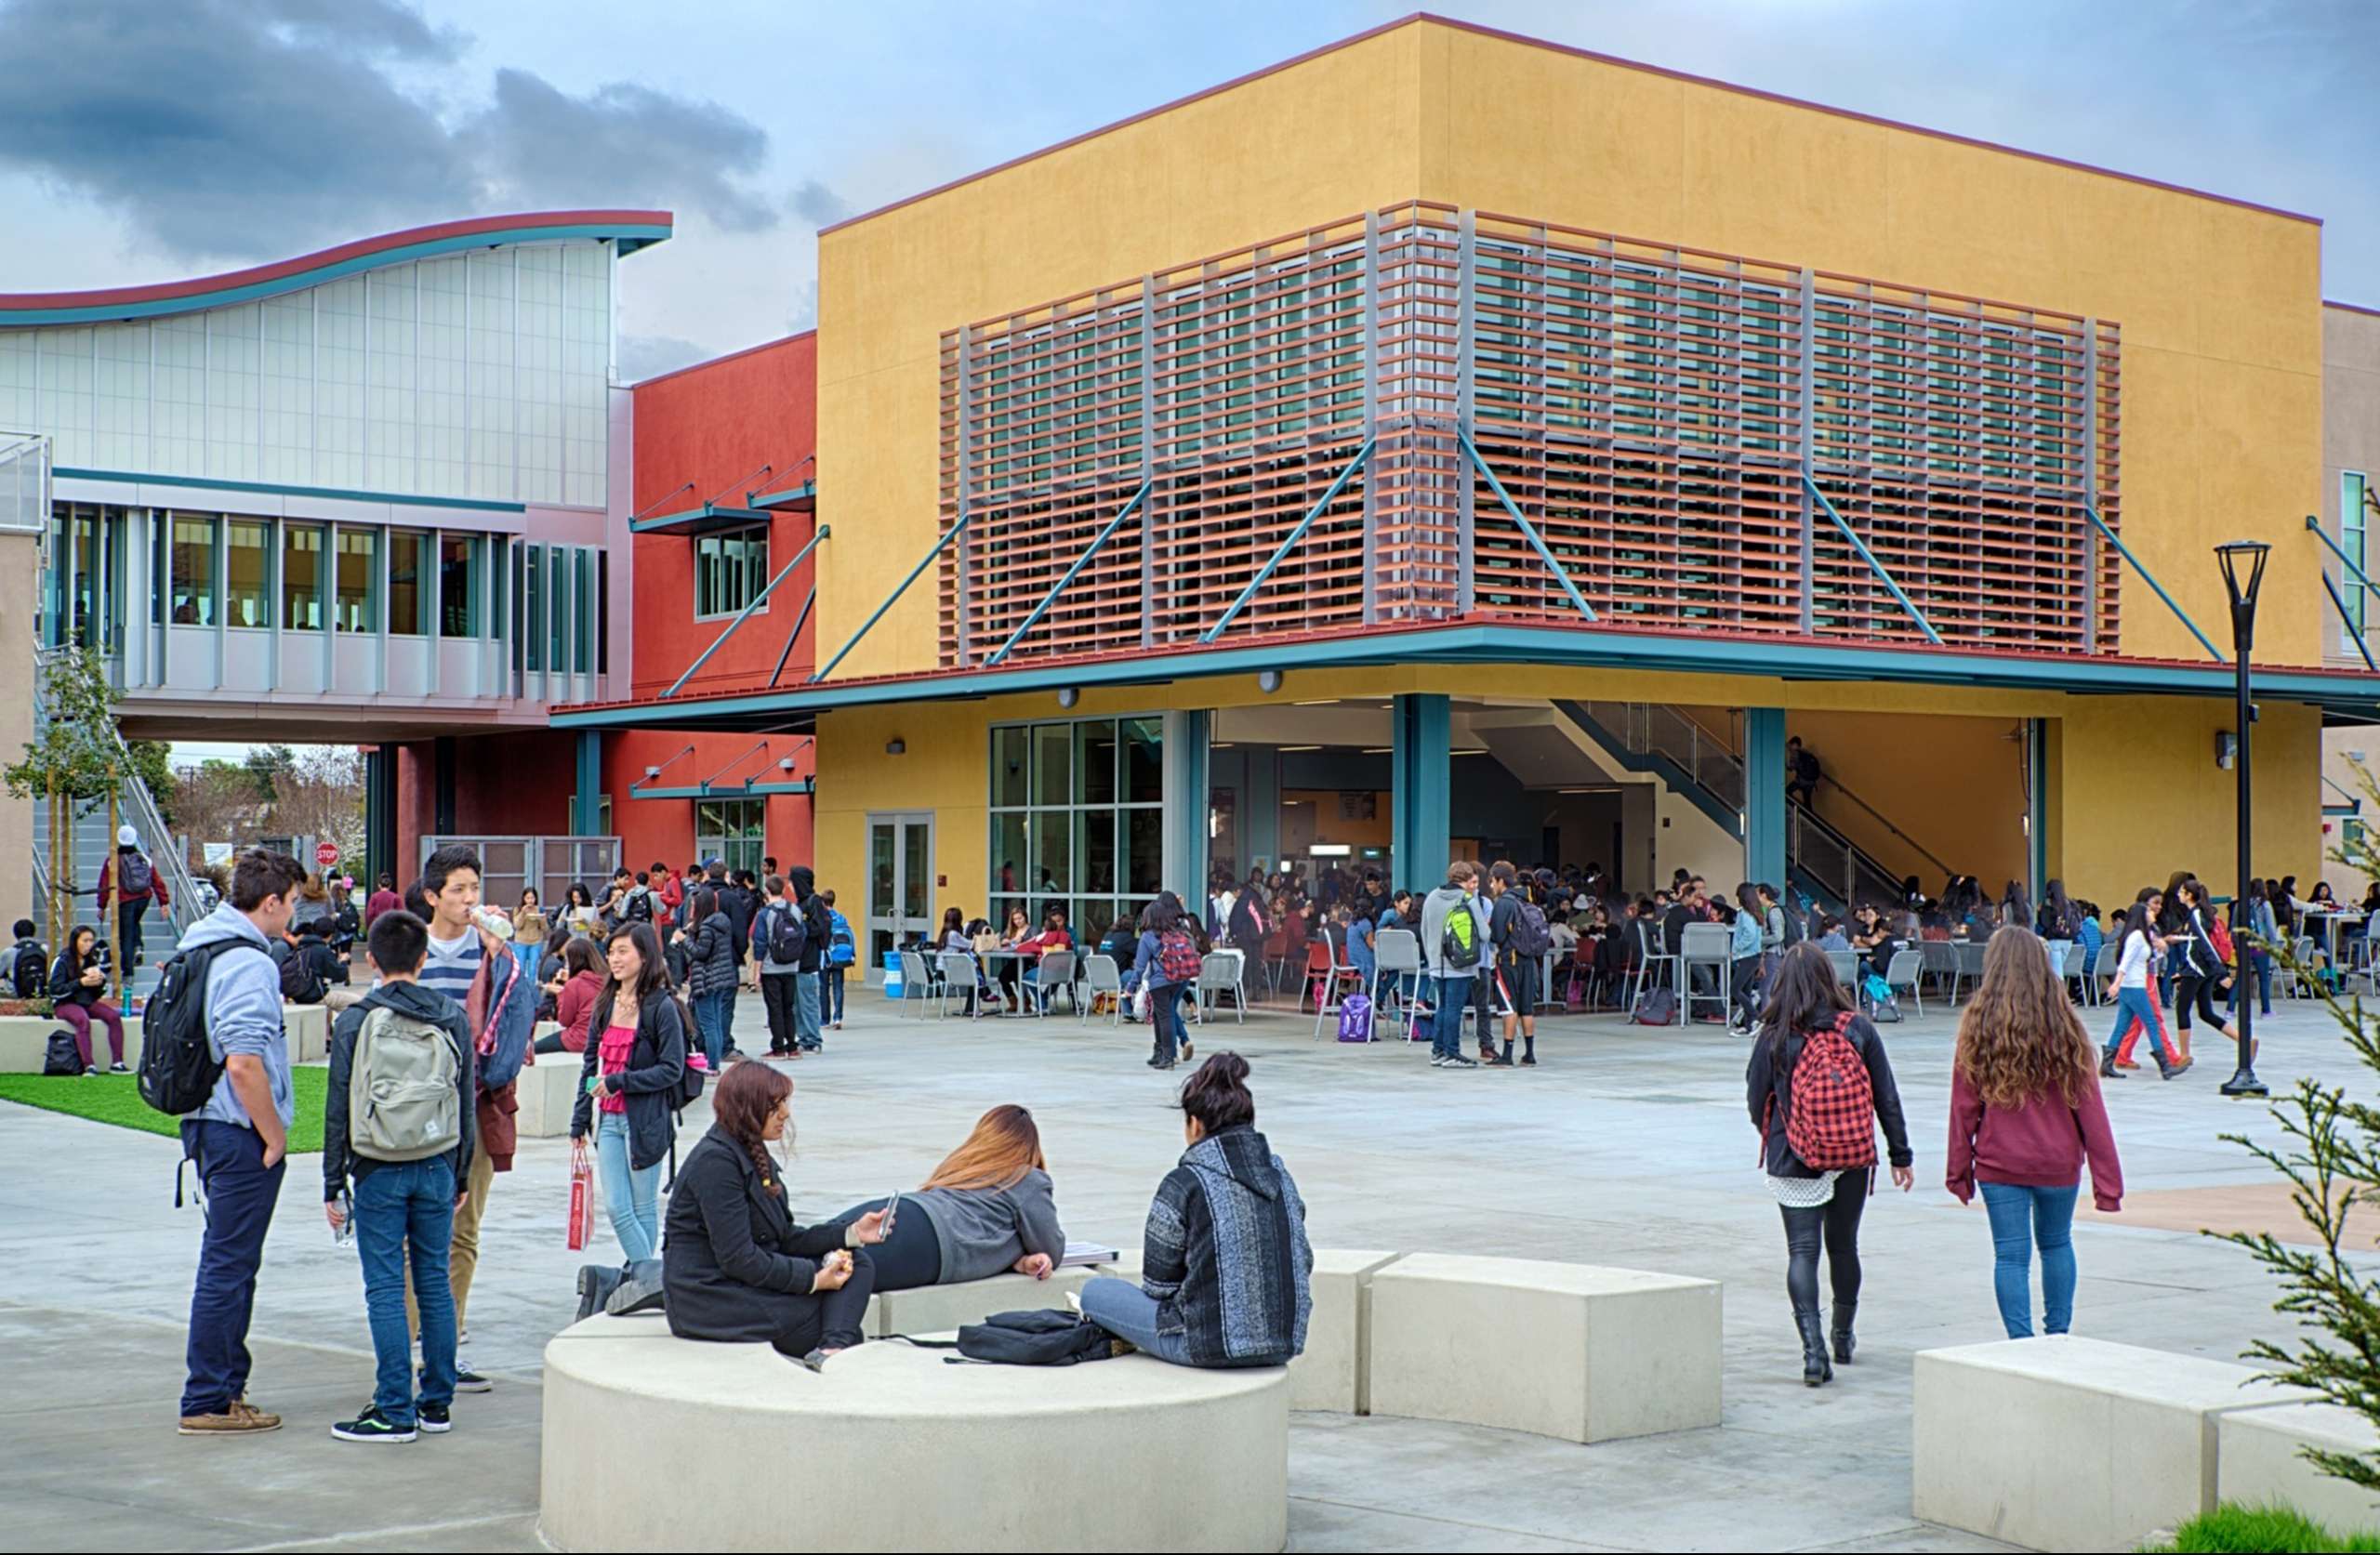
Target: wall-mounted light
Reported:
[(896, 748), (785, 763), (2227, 749), (652, 772), (1068, 696), (1268, 681)]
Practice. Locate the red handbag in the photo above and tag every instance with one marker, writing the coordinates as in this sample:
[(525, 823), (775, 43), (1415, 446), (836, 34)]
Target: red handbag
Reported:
[(582, 1196)]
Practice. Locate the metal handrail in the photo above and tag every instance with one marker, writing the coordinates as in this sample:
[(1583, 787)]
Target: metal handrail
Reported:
[(1923, 851), (138, 808)]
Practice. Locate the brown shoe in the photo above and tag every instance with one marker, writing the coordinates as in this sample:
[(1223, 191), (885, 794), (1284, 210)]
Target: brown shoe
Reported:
[(236, 1420), (2126, 1063)]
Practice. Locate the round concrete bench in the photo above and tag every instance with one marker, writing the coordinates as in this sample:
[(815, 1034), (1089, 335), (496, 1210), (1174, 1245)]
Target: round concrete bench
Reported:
[(657, 1443)]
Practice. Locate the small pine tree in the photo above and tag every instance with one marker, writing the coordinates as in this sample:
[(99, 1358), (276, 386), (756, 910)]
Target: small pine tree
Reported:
[(2330, 1153)]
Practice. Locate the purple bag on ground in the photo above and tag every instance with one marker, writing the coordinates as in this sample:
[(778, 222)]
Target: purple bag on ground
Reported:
[(1356, 1019)]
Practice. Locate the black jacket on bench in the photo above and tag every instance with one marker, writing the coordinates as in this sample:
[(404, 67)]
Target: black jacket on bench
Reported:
[(730, 1252)]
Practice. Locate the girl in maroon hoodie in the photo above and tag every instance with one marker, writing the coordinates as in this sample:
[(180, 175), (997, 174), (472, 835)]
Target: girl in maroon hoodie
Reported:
[(2025, 1112)]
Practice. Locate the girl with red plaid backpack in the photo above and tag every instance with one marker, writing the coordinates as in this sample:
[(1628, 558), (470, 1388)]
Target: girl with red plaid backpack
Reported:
[(1818, 1085)]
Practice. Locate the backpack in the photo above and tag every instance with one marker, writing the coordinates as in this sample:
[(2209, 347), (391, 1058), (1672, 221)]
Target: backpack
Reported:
[(1356, 1018), (1795, 929), (1657, 1008), (30, 972), (1877, 996), (1042, 1339), (1177, 957), (1531, 937), (300, 983), (640, 905), (1459, 945), (1834, 1122), (139, 877), (690, 1085), (787, 936), (177, 1069), (840, 949), (405, 1100), (62, 1057)]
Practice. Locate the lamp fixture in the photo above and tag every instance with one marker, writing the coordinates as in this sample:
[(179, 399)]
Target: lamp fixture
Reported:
[(652, 772), (1068, 695), (1286, 748), (1268, 681), (896, 748), (785, 763)]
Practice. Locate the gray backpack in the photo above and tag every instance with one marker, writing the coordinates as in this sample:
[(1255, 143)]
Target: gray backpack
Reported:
[(404, 1095)]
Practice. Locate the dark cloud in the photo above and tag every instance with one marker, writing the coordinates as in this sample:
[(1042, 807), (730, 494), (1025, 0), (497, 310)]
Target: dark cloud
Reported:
[(819, 205), (255, 128), (645, 356)]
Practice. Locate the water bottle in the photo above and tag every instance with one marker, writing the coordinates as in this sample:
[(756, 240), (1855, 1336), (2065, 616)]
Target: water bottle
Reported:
[(495, 923)]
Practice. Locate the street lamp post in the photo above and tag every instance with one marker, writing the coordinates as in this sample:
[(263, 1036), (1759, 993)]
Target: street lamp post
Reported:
[(2243, 572)]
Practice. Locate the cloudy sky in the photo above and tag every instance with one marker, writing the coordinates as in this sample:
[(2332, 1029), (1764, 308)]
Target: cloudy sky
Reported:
[(150, 140)]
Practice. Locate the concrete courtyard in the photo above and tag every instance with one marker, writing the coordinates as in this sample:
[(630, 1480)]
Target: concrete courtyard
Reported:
[(1627, 1146)]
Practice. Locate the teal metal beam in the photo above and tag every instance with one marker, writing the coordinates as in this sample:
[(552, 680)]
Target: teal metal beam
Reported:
[(745, 613), (1870, 558), (2150, 578), (1544, 552), (2348, 622), (2314, 527), (1764, 851), (800, 618), (1422, 789), (1363, 456), (709, 512), (723, 791), (1060, 587), (878, 613), (792, 496)]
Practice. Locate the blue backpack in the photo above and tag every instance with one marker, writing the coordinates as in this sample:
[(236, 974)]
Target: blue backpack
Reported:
[(840, 950)]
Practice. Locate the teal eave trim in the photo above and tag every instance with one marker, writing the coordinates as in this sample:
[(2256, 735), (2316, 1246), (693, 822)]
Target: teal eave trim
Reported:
[(722, 791), (1573, 647), (710, 516), (795, 498), (629, 238), (267, 488)]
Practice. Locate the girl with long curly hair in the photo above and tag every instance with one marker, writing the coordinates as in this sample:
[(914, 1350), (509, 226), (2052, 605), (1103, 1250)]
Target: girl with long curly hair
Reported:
[(2024, 1114)]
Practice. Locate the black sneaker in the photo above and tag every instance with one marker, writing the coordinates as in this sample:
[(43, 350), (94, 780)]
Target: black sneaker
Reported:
[(472, 1383), (1528, 1060), (1459, 1062), (372, 1426), (434, 1417), (118, 1069)]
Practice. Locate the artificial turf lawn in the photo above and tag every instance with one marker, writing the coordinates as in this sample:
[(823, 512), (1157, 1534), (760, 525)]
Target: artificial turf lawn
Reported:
[(2237, 1528), (115, 1099)]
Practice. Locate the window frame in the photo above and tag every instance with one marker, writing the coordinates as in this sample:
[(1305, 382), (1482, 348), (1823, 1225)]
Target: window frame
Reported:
[(708, 583)]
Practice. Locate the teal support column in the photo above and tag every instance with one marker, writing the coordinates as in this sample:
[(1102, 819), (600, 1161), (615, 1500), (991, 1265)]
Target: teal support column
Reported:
[(2037, 806), (1184, 866), (1262, 824), (1423, 757), (585, 809), (1764, 796)]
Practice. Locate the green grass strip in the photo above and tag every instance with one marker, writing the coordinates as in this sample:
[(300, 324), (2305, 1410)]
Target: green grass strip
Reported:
[(2237, 1530), (115, 1099)]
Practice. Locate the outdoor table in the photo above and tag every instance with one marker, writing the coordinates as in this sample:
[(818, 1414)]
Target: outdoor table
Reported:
[(2331, 922), (1024, 989)]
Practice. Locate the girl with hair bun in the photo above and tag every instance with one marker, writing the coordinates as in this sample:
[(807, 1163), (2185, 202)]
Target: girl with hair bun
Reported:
[(1226, 1262)]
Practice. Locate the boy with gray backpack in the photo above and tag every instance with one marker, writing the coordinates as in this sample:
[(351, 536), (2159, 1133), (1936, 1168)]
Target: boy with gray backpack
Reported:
[(399, 1125)]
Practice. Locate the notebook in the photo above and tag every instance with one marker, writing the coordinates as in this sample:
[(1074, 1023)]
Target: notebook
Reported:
[(1079, 1253)]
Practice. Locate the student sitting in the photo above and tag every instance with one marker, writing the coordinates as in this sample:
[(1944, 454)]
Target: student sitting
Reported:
[(77, 987), (1225, 1261), (987, 1209), (404, 1200), (582, 971), (735, 1266)]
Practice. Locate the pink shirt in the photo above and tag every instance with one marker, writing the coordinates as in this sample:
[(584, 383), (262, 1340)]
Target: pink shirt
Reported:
[(613, 1059)]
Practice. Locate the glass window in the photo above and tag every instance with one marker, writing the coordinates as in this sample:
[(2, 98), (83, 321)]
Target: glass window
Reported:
[(582, 613), (1095, 850), (2353, 515), (532, 599), (359, 566), (194, 574), (1144, 851), (1096, 761), (729, 569), (1009, 859), (1008, 765), (731, 830), (1051, 764), (603, 613), (301, 577), (458, 574), (247, 582), (557, 609), (406, 547), (1059, 836), (1144, 760)]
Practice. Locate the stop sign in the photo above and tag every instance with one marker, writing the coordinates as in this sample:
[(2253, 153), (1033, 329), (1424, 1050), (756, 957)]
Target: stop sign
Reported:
[(325, 854)]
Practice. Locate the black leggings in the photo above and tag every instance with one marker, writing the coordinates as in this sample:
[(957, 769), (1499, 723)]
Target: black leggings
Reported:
[(909, 1259), (779, 995), (2200, 991), (1743, 980), (1837, 1222), (831, 1319)]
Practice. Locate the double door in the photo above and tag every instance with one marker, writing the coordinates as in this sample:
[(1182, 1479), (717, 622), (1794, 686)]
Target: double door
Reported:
[(900, 885)]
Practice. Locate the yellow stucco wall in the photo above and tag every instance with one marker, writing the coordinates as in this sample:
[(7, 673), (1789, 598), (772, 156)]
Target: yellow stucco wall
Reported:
[(2219, 304)]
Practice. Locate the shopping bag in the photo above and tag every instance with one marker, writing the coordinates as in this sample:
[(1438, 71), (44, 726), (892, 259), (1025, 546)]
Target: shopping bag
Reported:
[(582, 1196)]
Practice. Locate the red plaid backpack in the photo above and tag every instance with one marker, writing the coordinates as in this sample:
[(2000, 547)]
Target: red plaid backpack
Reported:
[(1832, 1126)]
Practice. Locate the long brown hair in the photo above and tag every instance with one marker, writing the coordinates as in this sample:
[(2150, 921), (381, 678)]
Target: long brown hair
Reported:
[(2019, 1039), (1005, 1145), (746, 1095)]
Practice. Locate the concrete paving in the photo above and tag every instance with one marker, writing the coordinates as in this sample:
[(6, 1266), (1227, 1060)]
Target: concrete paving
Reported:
[(1626, 1146)]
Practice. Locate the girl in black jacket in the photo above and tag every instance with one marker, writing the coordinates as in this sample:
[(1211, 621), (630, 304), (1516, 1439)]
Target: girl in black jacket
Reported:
[(710, 972), (736, 1268), (77, 988), (628, 1081), (1805, 999)]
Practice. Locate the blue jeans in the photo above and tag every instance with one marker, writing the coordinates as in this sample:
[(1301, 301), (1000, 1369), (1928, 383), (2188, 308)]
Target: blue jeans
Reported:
[(710, 1020), (240, 1192), (2022, 1219), (1454, 996), (1130, 1314), (400, 1208), (805, 1009), (631, 1195), (2132, 1006), (2260, 966), (1164, 1020), (830, 994)]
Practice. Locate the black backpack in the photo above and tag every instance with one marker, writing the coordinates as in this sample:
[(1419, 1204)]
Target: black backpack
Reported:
[(1532, 936), (177, 1070), (1657, 1008), (302, 981), (62, 1057), (789, 936), (31, 970), (640, 905), (1040, 1339)]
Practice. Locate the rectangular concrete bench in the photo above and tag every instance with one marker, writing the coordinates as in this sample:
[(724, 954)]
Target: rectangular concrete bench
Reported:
[(308, 1027), (24, 1042), (1563, 1349), (2072, 1444), (548, 1091), (2257, 1462), (940, 1309), (1335, 1372)]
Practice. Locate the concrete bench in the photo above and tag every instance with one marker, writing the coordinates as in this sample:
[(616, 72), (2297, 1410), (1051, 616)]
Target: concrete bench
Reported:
[(907, 1453), (1563, 1349), (24, 1042), (2072, 1444), (308, 1027), (940, 1309), (1334, 1371), (2257, 1462), (548, 1091)]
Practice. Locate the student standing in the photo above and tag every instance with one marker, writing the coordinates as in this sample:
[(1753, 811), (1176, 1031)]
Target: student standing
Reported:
[(128, 882), (629, 1080), (773, 932), (239, 1137), (2263, 933), (710, 972), (467, 962), (2136, 950), (404, 1147), (1517, 928), (842, 951), (816, 929), (1746, 948), (1165, 955), (2024, 1115), (1816, 1046), (1454, 944), (384, 899)]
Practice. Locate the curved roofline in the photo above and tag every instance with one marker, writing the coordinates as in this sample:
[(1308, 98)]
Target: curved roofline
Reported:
[(1499, 33), (631, 230)]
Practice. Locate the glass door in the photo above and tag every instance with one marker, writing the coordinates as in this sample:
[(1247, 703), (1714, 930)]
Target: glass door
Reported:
[(900, 885)]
